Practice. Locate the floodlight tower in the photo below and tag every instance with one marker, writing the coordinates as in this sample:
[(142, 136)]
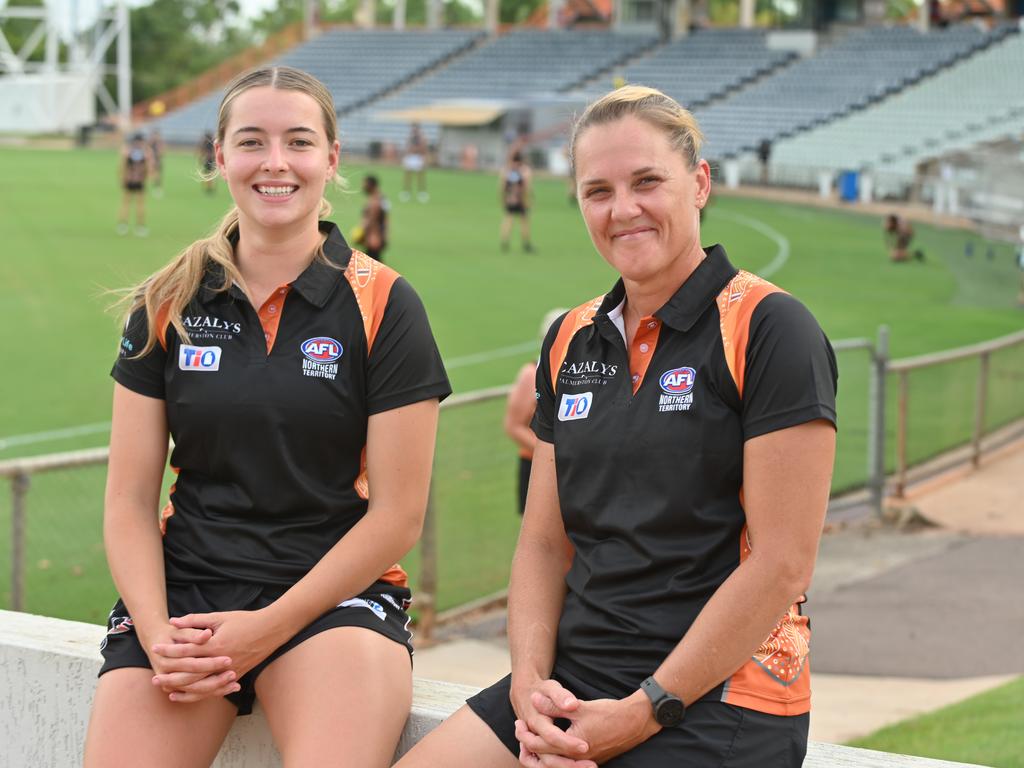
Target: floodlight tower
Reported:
[(55, 96)]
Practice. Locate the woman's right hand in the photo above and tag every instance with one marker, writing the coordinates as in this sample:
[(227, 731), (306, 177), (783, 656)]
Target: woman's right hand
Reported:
[(190, 678), (536, 705)]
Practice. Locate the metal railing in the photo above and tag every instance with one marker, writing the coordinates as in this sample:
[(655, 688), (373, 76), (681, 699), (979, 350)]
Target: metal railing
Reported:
[(903, 368), (471, 498)]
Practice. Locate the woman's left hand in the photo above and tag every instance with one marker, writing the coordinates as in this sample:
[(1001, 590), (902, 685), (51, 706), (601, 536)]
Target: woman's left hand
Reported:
[(243, 636), (608, 726)]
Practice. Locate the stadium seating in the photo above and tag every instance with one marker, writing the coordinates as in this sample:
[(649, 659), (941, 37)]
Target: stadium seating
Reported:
[(357, 66), (707, 64), (977, 100), (518, 64), (859, 69)]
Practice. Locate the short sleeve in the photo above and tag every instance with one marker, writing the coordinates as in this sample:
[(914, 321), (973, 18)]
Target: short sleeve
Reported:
[(144, 375), (404, 364), (544, 414), (791, 372)]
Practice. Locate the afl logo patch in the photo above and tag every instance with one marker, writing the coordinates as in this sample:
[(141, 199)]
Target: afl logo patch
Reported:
[(321, 349), (678, 381)]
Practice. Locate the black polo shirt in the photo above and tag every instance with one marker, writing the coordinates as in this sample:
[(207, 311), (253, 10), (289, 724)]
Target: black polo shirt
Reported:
[(268, 411), (649, 459)]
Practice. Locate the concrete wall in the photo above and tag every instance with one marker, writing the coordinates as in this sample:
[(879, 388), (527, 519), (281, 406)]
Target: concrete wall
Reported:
[(48, 672)]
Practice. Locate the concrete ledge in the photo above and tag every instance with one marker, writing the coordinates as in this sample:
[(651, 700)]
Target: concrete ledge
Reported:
[(48, 673)]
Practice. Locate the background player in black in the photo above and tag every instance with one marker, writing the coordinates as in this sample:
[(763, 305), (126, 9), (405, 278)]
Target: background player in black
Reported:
[(699, 492), (136, 165), (156, 150), (516, 192), (519, 408), (373, 237), (284, 398)]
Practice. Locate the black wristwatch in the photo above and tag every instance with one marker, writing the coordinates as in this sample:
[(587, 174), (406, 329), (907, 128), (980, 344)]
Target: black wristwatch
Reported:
[(668, 709)]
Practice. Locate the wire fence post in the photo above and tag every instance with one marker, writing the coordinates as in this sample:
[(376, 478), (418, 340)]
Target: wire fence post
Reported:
[(19, 489), (427, 589), (901, 434), (979, 409), (876, 420)]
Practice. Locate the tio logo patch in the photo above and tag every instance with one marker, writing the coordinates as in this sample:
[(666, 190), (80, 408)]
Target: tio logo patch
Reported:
[(198, 358), (575, 406)]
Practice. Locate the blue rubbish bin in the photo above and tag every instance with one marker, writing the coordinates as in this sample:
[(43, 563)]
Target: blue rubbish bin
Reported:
[(848, 181)]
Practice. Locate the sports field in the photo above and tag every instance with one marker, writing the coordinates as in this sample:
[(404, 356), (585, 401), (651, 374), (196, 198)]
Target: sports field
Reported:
[(61, 256)]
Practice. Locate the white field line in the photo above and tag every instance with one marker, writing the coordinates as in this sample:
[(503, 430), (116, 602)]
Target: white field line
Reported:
[(54, 434), (493, 354), (781, 256), (104, 426)]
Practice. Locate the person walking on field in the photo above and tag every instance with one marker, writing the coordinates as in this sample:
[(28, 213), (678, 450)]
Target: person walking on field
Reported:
[(373, 227), (685, 425), (300, 383), (516, 193), (156, 150), (415, 164), (136, 165)]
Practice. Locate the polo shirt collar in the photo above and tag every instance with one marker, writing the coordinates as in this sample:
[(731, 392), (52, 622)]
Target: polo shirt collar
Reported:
[(316, 283), (694, 296), (700, 290)]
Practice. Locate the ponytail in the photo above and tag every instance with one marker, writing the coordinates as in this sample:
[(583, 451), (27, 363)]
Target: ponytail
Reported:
[(167, 292)]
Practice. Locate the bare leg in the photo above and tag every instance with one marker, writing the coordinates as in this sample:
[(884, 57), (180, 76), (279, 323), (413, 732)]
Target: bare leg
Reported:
[(524, 232), (140, 211), (462, 741), (122, 217), (134, 723), (345, 692), (506, 231)]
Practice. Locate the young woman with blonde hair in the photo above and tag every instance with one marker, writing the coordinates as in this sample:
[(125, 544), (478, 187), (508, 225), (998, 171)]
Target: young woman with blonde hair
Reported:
[(300, 383)]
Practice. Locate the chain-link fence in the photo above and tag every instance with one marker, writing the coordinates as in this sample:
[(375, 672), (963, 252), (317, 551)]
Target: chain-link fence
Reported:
[(51, 551)]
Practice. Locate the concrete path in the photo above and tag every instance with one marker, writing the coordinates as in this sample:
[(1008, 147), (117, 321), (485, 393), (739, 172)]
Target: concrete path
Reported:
[(903, 622)]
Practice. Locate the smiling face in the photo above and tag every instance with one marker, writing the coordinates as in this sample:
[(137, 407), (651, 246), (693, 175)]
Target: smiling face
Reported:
[(276, 157), (641, 201)]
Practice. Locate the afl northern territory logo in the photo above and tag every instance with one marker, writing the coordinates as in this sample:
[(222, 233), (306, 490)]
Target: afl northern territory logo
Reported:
[(678, 381), (322, 354), (322, 349), (677, 389)]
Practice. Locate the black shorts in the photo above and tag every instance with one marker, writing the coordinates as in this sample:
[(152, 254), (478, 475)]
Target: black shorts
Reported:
[(377, 254), (524, 481), (133, 186), (381, 608), (517, 210), (712, 735)]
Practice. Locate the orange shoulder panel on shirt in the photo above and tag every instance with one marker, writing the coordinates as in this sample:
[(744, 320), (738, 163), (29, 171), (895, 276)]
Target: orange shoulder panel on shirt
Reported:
[(736, 305), (577, 318), (163, 319), (371, 283)]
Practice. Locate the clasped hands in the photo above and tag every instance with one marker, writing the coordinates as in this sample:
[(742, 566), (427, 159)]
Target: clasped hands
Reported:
[(599, 729), (204, 655)]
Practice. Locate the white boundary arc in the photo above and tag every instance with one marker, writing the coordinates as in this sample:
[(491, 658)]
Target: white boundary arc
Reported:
[(780, 240), (781, 257)]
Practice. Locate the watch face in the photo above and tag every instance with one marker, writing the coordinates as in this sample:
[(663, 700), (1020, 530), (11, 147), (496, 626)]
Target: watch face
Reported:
[(670, 712)]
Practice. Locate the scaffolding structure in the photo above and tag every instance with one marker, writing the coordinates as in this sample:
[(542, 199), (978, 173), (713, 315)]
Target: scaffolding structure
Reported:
[(65, 88)]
